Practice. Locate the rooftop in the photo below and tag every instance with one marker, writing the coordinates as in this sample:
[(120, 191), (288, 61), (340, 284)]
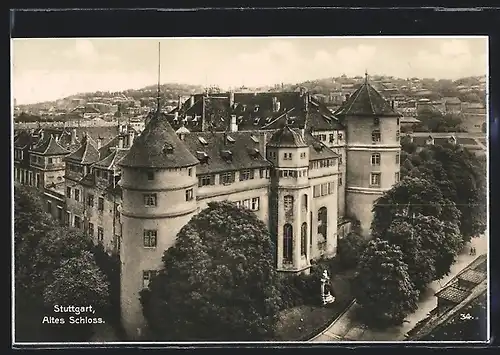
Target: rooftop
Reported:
[(49, 146), (287, 138), (453, 294), (473, 276)]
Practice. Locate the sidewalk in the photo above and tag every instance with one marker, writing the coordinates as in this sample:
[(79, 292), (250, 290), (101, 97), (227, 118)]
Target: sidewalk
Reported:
[(347, 329)]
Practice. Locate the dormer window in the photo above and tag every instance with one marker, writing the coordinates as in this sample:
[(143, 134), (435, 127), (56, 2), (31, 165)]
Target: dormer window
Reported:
[(318, 146), (230, 139), (202, 157), (168, 148), (256, 121), (202, 140), (254, 153), (256, 108), (151, 175), (376, 121), (227, 155), (254, 139)]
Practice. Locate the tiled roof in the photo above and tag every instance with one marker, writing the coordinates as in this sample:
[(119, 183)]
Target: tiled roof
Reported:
[(366, 101), (112, 159), (453, 294), (226, 151), (87, 153), (24, 139), (158, 147), (49, 146), (105, 150), (318, 150), (466, 141), (473, 276), (287, 137), (253, 111)]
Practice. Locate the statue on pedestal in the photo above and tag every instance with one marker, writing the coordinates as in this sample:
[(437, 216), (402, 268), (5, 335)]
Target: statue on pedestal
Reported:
[(326, 295)]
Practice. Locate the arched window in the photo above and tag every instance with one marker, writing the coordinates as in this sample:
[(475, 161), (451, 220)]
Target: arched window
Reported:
[(304, 202), (322, 225), (303, 239), (287, 243)]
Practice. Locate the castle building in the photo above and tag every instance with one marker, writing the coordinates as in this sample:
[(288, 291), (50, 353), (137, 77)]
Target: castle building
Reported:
[(305, 171)]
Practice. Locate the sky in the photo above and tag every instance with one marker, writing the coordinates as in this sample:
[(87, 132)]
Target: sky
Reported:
[(48, 69)]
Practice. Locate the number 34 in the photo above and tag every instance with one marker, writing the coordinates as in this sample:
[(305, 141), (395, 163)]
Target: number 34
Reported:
[(465, 316)]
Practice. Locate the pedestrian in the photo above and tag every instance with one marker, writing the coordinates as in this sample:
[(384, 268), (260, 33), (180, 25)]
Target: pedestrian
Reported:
[(471, 250), (474, 251)]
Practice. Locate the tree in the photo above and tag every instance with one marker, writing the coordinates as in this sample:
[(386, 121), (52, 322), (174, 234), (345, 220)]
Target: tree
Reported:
[(350, 248), (31, 224), (218, 281), (412, 196), (78, 281), (383, 287), (420, 261)]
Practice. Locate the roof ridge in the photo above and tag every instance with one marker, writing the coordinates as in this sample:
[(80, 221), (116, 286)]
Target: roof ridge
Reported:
[(370, 97)]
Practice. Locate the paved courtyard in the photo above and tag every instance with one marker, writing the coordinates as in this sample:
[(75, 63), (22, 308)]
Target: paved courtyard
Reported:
[(345, 328)]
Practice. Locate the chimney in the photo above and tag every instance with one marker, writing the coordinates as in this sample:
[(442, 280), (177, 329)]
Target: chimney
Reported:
[(99, 142), (131, 137), (120, 142), (306, 102), (231, 99), (234, 125), (73, 136), (347, 96), (191, 101), (179, 103), (392, 104), (176, 116)]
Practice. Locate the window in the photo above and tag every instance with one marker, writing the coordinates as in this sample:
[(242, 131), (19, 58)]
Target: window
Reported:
[(376, 136), (262, 173), (255, 204), (227, 178), (59, 213), (77, 195), (287, 156), (322, 225), (78, 222), (331, 138), (397, 121), (340, 136), (100, 204), (302, 155), (49, 207), (340, 159), (246, 175), (147, 276), (246, 203), (288, 203), (324, 189), (375, 179), (90, 200), (100, 234), (272, 154), (287, 243), (376, 121), (91, 229), (189, 194), (375, 159), (206, 180), (68, 192), (396, 177), (303, 239), (397, 135), (304, 201), (50, 160), (340, 180), (190, 171), (397, 159), (151, 175), (316, 191), (37, 180), (150, 238), (150, 200)]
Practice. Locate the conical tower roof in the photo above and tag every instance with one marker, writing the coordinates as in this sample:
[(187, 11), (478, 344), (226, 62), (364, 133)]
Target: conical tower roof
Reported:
[(366, 101), (286, 137), (158, 147)]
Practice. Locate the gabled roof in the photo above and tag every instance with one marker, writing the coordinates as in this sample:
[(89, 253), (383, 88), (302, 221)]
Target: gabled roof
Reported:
[(86, 154), (158, 147), (49, 146), (366, 101), (318, 150), (111, 160), (286, 138)]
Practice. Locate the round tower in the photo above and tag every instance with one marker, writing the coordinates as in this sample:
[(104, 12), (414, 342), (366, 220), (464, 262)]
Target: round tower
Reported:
[(159, 186), (373, 151), (290, 199)]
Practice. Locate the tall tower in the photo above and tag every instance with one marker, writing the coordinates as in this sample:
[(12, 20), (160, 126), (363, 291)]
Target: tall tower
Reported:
[(290, 199), (158, 181), (373, 150)]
